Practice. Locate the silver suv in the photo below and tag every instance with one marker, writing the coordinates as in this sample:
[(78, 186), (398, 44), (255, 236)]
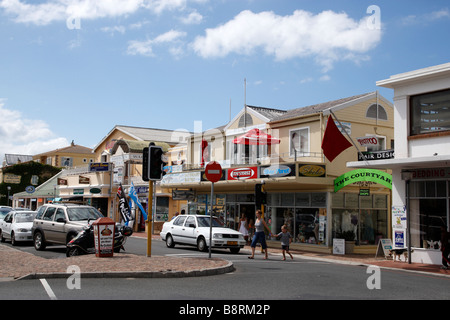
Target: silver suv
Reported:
[(59, 223)]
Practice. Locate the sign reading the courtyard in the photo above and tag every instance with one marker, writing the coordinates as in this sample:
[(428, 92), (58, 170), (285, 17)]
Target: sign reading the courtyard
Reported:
[(371, 175)]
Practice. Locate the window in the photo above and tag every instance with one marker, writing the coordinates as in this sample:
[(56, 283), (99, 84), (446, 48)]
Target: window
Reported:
[(376, 113), (245, 121), (430, 112), (298, 142), (66, 162)]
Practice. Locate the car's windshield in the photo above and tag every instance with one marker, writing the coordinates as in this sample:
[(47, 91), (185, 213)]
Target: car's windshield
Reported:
[(83, 213), (25, 217), (204, 222)]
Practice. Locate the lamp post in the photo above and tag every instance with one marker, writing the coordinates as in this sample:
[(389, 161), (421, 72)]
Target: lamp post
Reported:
[(7, 199), (407, 176)]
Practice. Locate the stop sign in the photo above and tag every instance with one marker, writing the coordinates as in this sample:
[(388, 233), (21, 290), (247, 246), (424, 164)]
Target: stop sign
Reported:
[(213, 171)]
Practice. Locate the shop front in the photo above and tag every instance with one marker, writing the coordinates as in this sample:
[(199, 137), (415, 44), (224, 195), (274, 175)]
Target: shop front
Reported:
[(310, 206)]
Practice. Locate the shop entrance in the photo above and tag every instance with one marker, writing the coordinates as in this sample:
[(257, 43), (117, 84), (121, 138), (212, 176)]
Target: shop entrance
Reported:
[(234, 212)]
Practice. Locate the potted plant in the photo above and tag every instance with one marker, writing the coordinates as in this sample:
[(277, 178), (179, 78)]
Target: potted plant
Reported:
[(349, 237)]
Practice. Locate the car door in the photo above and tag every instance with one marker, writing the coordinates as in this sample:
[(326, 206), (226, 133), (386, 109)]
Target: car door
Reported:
[(6, 226), (46, 224), (188, 231), (175, 229), (58, 226)]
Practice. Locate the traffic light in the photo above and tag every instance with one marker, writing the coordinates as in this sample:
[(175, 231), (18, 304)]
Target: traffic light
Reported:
[(260, 195), (145, 164), (155, 163)]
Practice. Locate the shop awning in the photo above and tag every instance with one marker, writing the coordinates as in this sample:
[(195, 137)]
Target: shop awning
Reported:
[(255, 137)]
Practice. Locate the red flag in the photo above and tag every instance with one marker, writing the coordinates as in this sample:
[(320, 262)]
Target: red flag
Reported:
[(333, 142)]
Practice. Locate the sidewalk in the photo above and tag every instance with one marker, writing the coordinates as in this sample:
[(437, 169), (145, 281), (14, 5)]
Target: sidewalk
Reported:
[(355, 259), (16, 264)]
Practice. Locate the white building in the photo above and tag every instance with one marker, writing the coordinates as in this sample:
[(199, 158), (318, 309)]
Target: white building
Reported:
[(421, 166)]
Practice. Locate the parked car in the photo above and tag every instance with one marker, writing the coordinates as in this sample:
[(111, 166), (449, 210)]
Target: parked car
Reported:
[(59, 223), (17, 226), (4, 211), (195, 230)]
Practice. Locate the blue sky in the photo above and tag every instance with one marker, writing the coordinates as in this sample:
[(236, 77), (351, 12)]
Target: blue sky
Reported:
[(73, 69)]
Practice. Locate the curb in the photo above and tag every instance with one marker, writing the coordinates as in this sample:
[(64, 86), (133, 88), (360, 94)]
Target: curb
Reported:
[(136, 274)]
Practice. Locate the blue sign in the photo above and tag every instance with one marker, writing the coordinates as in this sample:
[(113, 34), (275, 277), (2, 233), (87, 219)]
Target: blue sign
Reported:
[(30, 189)]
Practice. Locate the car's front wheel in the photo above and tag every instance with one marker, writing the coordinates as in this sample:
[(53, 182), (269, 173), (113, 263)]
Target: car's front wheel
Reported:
[(169, 241), (39, 242), (201, 244)]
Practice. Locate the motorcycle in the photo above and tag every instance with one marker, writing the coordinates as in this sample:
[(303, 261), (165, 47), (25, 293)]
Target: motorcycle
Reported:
[(83, 242)]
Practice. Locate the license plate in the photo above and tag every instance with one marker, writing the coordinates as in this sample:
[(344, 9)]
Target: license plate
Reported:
[(232, 243)]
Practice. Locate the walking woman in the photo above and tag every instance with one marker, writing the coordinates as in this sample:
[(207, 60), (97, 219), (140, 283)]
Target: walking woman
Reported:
[(259, 236)]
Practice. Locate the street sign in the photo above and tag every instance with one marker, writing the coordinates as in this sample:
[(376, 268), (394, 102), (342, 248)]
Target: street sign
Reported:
[(213, 171)]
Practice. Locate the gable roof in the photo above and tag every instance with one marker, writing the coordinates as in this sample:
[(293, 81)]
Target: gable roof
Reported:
[(321, 107), (149, 134), (73, 148)]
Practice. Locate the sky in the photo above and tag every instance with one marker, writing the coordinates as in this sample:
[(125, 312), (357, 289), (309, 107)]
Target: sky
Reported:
[(71, 70)]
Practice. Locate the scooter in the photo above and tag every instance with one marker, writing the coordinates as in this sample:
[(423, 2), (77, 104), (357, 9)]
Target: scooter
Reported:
[(83, 242)]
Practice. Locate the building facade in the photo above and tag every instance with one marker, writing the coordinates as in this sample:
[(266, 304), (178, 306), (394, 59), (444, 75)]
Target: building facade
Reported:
[(299, 181), (421, 166)]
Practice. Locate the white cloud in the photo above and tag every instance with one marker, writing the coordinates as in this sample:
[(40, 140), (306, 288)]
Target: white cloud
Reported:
[(327, 36), (19, 135), (193, 18), (60, 10), (145, 48)]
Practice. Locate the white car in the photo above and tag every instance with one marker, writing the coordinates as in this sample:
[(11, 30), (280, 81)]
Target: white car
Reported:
[(195, 230), (17, 226)]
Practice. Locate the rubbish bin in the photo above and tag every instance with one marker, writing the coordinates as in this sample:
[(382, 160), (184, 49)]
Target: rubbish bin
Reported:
[(104, 229)]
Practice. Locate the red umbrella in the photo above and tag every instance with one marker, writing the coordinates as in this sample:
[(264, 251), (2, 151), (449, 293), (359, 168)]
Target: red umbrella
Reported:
[(256, 138)]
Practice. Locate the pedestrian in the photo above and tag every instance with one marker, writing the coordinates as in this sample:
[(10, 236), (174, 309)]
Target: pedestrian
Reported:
[(243, 227), (445, 247), (286, 239), (175, 215), (259, 236)]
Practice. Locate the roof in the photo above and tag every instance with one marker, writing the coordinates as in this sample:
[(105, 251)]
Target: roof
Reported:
[(73, 148), (441, 70), (130, 146), (11, 159), (321, 107), (269, 113), (150, 134)]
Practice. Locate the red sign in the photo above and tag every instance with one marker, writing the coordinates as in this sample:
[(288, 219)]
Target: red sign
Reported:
[(213, 171), (243, 173)]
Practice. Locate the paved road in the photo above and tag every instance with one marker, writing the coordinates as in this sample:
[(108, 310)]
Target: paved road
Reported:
[(253, 280)]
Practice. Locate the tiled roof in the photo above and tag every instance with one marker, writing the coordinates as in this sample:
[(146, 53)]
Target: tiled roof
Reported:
[(298, 112)]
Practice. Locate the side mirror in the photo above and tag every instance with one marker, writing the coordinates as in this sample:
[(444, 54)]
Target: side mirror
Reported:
[(191, 225), (61, 220)]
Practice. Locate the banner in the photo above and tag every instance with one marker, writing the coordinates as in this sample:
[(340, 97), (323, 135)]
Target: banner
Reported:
[(133, 195), (372, 175), (124, 208)]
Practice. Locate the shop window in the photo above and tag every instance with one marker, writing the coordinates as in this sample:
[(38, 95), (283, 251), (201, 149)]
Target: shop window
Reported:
[(430, 112), (302, 199), (162, 208), (433, 215), (366, 217)]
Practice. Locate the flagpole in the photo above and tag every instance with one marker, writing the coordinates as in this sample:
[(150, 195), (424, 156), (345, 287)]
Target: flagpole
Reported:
[(345, 131)]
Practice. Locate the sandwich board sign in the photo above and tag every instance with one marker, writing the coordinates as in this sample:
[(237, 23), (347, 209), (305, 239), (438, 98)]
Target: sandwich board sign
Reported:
[(384, 245)]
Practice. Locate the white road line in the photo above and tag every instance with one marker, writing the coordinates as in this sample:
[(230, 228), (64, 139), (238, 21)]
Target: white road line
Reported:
[(48, 289)]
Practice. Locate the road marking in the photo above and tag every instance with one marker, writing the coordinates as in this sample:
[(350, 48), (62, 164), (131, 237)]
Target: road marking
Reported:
[(48, 289)]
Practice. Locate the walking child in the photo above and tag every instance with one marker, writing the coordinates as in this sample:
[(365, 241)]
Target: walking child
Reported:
[(286, 239)]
